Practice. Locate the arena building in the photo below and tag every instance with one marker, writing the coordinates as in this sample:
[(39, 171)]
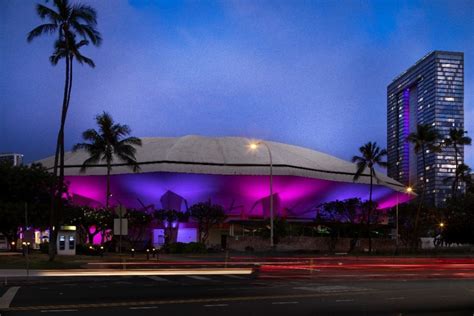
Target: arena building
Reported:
[(176, 173)]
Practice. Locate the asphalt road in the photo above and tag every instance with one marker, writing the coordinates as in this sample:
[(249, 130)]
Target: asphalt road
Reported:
[(239, 295)]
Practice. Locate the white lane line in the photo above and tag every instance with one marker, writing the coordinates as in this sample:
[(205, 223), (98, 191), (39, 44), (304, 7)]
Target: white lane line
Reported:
[(282, 303), (234, 276), (144, 307), (58, 310), (8, 297), (197, 277), (340, 301), (156, 278), (395, 298), (216, 305)]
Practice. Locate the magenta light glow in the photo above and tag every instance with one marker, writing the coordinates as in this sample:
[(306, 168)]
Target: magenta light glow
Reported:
[(243, 196)]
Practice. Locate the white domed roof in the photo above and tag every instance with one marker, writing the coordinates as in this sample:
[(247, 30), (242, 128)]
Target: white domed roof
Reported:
[(227, 156)]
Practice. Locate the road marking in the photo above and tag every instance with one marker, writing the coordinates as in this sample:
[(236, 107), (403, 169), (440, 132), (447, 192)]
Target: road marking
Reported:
[(216, 305), (330, 289), (234, 276), (8, 297), (282, 303), (58, 310), (340, 301), (395, 298), (156, 278), (144, 307), (197, 277)]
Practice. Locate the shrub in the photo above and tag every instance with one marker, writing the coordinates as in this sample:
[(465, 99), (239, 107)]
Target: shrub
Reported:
[(85, 249), (44, 247), (195, 247), (179, 247), (175, 247)]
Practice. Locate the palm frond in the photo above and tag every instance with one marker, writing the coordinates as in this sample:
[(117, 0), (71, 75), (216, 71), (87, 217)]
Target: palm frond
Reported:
[(85, 13), (92, 160), (46, 12), (361, 166), (86, 31), (131, 141), (81, 146), (48, 28)]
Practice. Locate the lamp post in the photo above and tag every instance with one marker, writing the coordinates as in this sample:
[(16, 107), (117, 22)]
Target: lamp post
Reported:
[(254, 146), (407, 190)]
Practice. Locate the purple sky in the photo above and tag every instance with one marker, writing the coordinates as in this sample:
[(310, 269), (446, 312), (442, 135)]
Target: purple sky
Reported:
[(309, 73)]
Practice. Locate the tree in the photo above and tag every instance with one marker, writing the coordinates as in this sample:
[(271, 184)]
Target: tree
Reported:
[(281, 229), (66, 21), (461, 174), (91, 221), (138, 222), (459, 220), (428, 220), (23, 188), (108, 143), (424, 139), (170, 219), (207, 216), (457, 139), (345, 216), (371, 156)]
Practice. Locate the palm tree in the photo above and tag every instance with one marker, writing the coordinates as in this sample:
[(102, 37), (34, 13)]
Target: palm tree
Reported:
[(425, 139), (106, 144), (457, 139), (65, 20), (371, 156), (463, 174)]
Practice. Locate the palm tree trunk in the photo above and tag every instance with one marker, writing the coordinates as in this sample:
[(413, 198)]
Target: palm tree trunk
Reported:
[(59, 157), (455, 182), (418, 212), (108, 186), (370, 211)]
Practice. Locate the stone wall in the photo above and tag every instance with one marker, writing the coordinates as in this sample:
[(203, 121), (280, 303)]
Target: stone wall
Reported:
[(321, 244)]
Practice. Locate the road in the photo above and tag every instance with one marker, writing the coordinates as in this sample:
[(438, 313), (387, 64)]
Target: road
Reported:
[(281, 287)]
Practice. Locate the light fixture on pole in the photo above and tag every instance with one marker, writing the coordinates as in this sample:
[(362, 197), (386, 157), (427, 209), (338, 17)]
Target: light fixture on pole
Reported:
[(254, 146)]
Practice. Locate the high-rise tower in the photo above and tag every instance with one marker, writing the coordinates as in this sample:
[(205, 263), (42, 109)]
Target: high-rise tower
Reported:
[(429, 92)]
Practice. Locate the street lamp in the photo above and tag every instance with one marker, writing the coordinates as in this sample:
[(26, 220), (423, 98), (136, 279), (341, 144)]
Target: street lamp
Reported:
[(407, 190), (254, 146)]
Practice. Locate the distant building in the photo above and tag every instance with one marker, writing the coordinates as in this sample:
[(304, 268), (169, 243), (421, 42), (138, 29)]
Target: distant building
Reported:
[(11, 158), (430, 92)]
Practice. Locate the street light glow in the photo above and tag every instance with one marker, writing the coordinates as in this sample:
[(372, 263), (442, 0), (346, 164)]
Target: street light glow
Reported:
[(253, 146), (409, 189), (441, 224)]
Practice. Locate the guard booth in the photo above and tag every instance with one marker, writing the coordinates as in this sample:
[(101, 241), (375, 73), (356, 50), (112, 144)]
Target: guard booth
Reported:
[(66, 243)]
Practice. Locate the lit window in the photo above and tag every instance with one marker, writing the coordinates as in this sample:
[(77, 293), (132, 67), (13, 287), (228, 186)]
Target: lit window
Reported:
[(448, 99)]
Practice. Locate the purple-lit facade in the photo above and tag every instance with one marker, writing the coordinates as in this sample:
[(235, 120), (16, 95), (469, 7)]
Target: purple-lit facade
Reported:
[(244, 197)]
